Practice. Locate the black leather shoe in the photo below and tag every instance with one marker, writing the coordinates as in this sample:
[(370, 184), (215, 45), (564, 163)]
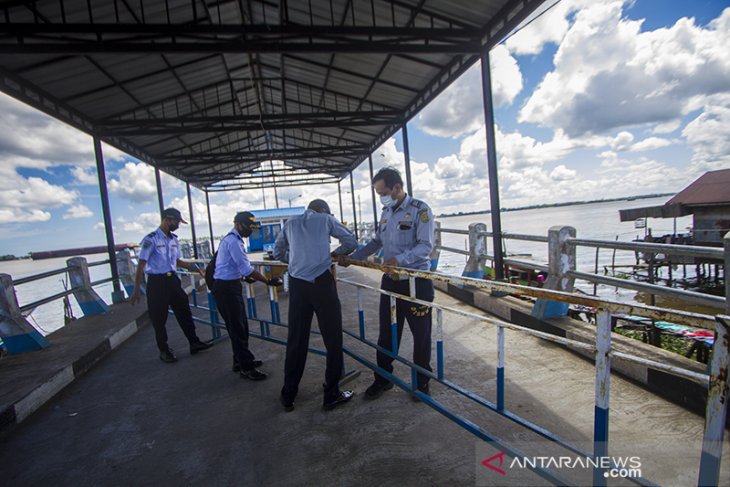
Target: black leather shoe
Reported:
[(168, 357), (341, 399), (198, 346), (424, 389), (237, 368), (288, 405), (377, 389), (253, 374)]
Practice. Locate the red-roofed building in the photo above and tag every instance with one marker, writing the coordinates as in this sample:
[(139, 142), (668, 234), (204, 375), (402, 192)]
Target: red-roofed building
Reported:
[(707, 199)]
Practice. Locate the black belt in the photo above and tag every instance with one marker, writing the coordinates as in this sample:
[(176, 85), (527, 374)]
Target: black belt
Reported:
[(166, 274)]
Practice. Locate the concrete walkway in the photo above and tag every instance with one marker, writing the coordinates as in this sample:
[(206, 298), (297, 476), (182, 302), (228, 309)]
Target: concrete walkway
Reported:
[(133, 420)]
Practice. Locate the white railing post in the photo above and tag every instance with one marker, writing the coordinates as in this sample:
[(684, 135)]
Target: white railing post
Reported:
[(603, 393), (127, 270), (78, 275), (717, 398), (726, 272), (436, 252), (17, 333), (477, 261), (562, 260)]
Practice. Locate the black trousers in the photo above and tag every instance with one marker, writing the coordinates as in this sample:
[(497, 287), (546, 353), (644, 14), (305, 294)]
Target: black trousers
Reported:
[(165, 292), (419, 320), (305, 300), (229, 299)]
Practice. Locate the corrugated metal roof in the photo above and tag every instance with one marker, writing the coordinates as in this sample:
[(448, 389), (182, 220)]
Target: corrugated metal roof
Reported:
[(710, 189), (662, 211), (209, 92)]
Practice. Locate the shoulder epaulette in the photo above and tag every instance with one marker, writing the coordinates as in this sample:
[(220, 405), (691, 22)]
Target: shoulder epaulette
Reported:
[(418, 203), (151, 235)]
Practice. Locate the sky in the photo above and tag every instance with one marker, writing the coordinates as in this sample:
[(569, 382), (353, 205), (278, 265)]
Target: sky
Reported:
[(593, 99)]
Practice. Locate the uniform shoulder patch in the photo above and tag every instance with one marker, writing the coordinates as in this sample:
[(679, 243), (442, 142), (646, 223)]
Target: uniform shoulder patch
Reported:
[(417, 203), (146, 242), (423, 215)]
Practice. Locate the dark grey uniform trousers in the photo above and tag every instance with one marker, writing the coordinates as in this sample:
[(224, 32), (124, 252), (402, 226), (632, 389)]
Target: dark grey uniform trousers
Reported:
[(419, 320), (165, 292), (305, 300)]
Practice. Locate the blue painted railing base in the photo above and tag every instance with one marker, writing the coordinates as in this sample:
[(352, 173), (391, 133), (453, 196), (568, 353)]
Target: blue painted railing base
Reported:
[(27, 342), (545, 309)]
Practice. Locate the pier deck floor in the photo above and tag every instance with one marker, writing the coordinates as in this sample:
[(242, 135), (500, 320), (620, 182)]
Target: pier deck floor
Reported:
[(133, 420)]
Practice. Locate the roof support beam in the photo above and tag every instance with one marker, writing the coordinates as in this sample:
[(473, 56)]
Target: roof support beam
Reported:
[(27, 38), (229, 123)]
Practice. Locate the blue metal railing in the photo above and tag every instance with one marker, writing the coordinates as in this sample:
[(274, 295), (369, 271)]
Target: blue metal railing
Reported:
[(717, 396)]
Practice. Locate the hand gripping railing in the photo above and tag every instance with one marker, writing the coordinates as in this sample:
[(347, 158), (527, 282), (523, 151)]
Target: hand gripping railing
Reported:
[(717, 382)]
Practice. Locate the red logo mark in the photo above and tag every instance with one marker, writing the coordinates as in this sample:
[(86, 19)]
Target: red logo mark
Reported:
[(487, 463)]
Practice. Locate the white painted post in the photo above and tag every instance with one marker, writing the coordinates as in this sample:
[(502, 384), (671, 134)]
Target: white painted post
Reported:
[(17, 333), (726, 272), (436, 252), (127, 270), (477, 260), (603, 393), (89, 301), (717, 399), (562, 260)]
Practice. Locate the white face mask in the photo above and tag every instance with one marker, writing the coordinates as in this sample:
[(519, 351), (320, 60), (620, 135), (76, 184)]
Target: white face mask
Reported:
[(387, 200)]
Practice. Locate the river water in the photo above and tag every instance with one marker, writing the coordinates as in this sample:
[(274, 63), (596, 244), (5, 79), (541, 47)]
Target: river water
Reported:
[(594, 220)]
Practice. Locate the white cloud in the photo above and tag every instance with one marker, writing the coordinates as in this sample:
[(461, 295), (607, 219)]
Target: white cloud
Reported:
[(549, 27), (32, 140), (459, 109), (622, 141), (650, 143), (135, 182), (77, 211), (142, 223), (709, 137), (609, 74), (20, 215), (84, 175), (36, 192), (39, 141), (562, 173)]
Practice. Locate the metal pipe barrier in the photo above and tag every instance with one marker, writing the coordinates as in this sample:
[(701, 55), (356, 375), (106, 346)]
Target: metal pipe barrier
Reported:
[(55, 272), (570, 243), (716, 382)]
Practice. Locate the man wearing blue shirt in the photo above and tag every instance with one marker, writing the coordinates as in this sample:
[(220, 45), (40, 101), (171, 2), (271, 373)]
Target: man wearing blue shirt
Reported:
[(159, 258), (231, 265), (405, 234), (304, 243)]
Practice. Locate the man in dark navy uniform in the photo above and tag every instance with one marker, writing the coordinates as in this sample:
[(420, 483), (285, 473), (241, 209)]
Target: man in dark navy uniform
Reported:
[(232, 265), (159, 258), (405, 234)]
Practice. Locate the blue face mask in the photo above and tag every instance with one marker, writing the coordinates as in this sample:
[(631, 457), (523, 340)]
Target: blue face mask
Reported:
[(387, 200)]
